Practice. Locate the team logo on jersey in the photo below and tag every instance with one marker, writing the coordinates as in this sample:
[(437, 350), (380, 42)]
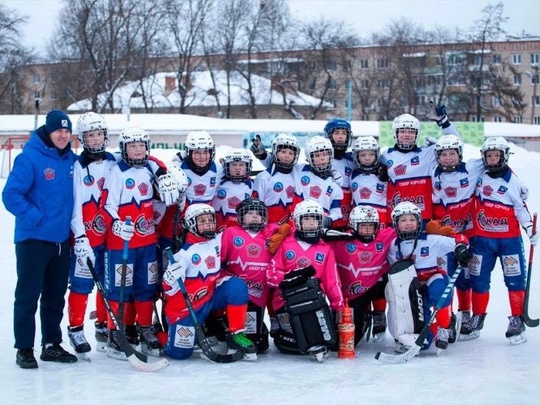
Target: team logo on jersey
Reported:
[(348, 171), (356, 288), (278, 187), (303, 262), (143, 189), (290, 192), (379, 189), (479, 182), (354, 186), (329, 191), (319, 257), (238, 241), (424, 252), (210, 262), (212, 181), (487, 190), (502, 190), (399, 255), (130, 183), (365, 257), (253, 250), (49, 173), (290, 255), (400, 170), (315, 192), (451, 192), (199, 189), (389, 163), (491, 224), (464, 183), (221, 194), (415, 161), (437, 185), (350, 247), (365, 193), (184, 332), (88, 180), (189, 181), (144, 226), (100, 183), (233, 202), (379, 246), (196, 259), (305, 180), (396, 199), (199, 294), (98, 225)]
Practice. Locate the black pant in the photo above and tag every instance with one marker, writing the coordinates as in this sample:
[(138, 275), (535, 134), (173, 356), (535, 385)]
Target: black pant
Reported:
[(42, 270)]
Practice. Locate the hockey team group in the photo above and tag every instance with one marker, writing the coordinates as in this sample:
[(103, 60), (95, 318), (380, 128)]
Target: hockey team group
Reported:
[(195, 253)]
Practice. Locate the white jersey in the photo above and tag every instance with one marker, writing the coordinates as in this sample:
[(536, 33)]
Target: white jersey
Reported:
[(276, 190), (227, 198), (367, 189), (202, 188)]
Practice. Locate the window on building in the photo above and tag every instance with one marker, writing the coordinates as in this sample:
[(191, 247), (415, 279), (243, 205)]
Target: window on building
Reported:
[(496, 59), (535, 58), (331, 65), (495, 102), (516, 59), (517, 79), (333, 84), (534, 78), (382, 63), (382, 84), (536, 120), (518, 119), (497, 118), (535, 100), (364, 64), (364, 84), (36, 79)]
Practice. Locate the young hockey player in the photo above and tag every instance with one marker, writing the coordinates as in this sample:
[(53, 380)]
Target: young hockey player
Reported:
[(413, 258), (299, 257), (234, 188), (246, 253), (89, 230), (339, 132), (499, 213), (275, 186), (128, 192), (362, 266), (198, 264)]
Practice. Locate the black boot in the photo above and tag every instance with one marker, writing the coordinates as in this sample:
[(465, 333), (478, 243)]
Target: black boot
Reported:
[(55, 352), (25, 358)]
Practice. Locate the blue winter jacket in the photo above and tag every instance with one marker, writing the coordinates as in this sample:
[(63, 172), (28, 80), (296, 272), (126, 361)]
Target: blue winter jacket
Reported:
[(39, 190)]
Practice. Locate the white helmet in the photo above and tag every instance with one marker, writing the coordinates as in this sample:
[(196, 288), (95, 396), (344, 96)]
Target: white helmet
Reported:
[(130, 135), (237, 155), (179, 177), (405, 121), (89, 122), (190, 219), (500, 144), (403, 208), (449, 142), (311, 209), (285, 141), (319, 144), (366, 143), (199, 140), (364, 214)]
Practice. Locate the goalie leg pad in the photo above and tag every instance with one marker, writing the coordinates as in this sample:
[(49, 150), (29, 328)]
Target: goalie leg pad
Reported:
[(309, 315)]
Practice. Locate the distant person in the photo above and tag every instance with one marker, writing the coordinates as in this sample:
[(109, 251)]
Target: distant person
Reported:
[(39, 192)]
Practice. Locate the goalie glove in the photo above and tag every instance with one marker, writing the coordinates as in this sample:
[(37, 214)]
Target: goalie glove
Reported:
[(175, 271), (533, 237), (438, 114), (463, 254), (257, 147), (123, 230), (276, 239), (434, 227), (83, 251), (168, 189)]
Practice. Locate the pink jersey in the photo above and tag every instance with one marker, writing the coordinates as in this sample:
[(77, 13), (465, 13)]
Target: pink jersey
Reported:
[(88, 180), (245, 254), (499, 206), (294, 254), (367, 189), (360, 265), (227, 198), (276, 190)]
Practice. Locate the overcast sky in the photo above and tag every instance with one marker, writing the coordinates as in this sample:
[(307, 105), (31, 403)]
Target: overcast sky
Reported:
[(366, 16)]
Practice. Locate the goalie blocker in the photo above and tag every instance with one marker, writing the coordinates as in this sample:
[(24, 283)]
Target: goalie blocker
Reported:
[(310, 318)]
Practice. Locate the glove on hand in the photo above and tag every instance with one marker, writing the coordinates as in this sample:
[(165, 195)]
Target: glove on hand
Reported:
[(434, 227), (257, 147), (180, 156), (533, 237), (438, 114), (174, 272), (336, 175), (524, 192), (168, 189), (276, 239), (463, 254), (327, 222), (382, 173), (123, 230), (83, 251), (430, 140)]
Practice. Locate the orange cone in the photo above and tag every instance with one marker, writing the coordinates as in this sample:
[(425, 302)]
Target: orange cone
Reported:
[(346, 333)]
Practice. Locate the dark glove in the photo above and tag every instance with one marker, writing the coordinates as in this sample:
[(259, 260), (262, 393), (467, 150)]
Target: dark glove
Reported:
[(463, 255), (438, 114), (257, 147), (382, 173), (327, 223), (296, 278)]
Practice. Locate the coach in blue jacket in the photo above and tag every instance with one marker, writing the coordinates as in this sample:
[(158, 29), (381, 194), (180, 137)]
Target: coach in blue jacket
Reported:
[(39, 192)]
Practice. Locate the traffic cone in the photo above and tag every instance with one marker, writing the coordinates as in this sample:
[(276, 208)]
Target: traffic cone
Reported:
[(346, 333)]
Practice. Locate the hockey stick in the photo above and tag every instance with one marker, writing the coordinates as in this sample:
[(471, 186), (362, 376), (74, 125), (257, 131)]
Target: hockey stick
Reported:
[(202, 340), (123, 276), (419, 342), (531, 323), (135, 358)]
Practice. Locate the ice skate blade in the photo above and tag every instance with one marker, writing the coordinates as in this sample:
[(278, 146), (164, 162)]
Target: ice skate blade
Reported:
[(151, 352), (250, 357), (475, 334), (379, 337), (115, 354), (517, 340), (101, 347)]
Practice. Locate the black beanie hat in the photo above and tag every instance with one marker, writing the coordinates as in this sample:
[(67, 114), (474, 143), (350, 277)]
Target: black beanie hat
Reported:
[(57, 119)]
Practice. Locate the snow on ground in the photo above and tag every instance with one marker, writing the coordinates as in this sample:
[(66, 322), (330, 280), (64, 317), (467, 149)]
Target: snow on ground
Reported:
[(484, 371)]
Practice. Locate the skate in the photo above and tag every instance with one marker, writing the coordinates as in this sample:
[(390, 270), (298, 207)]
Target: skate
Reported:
[(516, 330), (452, 336), (442, 339), (55, 352), (318, 353), (114, 349), (379, 326), (132, 335), (239, 341), (78, 342), (471, 329), (150, 344), (102, 335), (25, 358)]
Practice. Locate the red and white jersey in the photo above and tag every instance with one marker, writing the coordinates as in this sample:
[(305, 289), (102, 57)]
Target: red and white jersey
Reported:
[(345, 167), (245, 254), (360, 265), (499, 206), (202, 188), (201, 259), (424, 252), (453, 196), (276, 190), (88, 182), (294, 254), (326, 192), (128, 191), (227, 198), (367, 189)]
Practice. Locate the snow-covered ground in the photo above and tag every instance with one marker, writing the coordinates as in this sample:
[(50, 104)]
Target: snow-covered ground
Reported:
[(483, 371)]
